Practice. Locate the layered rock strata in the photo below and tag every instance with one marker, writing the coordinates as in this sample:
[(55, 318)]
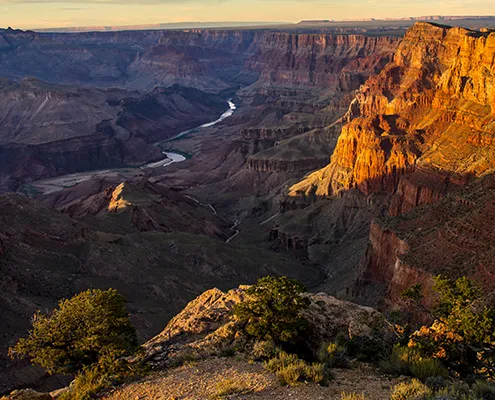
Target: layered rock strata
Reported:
[(432, 106)]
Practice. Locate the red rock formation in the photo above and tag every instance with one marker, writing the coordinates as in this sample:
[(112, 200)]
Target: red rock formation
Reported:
[(422, 187), (286, 165), (433, 105), (453, 237)]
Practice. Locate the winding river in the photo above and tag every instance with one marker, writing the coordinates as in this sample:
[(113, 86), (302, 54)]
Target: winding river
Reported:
[(176, 157), (58, 183)]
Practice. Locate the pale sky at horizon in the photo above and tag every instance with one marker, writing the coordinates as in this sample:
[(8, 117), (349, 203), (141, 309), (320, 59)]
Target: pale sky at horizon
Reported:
[(25, 14)]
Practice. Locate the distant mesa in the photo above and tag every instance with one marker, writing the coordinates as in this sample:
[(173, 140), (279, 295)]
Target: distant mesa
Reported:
[(421, 18), (315, 21)]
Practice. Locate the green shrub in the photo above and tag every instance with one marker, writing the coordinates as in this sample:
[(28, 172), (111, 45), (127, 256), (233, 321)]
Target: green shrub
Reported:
[(463, 332), (78, 333), (229, 387), (291, 370), (484, 390), (351, 396), (264, 350), (408, 361), (333, 355), (292, 374), (455, 392), (93, 379), (413, 390), (273, 311), (424, 368), (282, 360), (317, 373)]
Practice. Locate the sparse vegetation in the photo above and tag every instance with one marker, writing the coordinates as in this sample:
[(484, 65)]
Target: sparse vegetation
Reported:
[(463, 334), (265, 350), (88, 335), (409, 361), (291, 370), (413, 390), (228, 387), (333, 355), (77, 334), (416, 390), (273, 312)]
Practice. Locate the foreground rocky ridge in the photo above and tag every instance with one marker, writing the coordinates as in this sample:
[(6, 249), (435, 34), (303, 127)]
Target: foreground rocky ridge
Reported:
[(207, 325)]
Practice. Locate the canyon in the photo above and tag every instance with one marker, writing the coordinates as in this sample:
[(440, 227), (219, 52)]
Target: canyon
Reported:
[(359, 163)]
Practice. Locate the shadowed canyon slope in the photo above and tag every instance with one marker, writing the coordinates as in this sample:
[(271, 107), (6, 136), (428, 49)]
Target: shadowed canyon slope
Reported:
[(49, 130), (143, 240)]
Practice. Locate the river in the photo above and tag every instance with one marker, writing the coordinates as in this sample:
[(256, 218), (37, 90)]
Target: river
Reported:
[(58, 183), (176, 157)]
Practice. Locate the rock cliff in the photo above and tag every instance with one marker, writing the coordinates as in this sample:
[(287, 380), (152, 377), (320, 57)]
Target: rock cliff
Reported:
[(338, 62), (432, 106), (453, 237)]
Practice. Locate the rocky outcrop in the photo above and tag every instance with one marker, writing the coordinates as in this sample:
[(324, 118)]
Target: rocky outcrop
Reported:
[(139, 205), (304, 152), (432, 106), (422, 187), (453, 237), (285, 165), (207, 325)]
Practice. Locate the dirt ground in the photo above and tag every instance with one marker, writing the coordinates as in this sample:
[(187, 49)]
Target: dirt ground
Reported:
[(206, 379)]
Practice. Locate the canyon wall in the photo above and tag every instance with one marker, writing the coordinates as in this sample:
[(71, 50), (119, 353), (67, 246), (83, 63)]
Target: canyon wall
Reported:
[(432, 106), (50, 130), (452, 237), (339, 62)]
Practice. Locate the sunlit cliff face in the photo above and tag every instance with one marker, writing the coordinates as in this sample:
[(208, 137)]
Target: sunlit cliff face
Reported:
[(433, 106)]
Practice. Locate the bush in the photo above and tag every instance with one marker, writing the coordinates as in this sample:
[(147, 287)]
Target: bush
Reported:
[(424, 368), (291, 370), (292, 374), (414, 390), (264, 350), (455, 392), (333, 355), (408, 361), (77, 334), (484, 390), (367, 349), (229, 387), (106, 373), (282, 360), (351, 396), (273, 311), (463, 332)]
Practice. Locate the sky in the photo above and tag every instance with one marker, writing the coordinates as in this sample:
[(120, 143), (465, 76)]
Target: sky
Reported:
[(26, 14)]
